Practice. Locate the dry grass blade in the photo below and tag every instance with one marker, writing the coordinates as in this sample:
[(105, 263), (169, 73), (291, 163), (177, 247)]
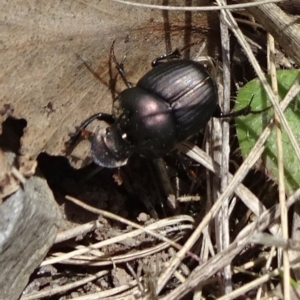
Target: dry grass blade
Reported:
[(222, 220), (64, 288), (100, 260), (283, 27), (76, 231), (249, 199), (208, 217), (258, 282), (174, 221), (223, 258), (118, 292), (199, 8), (284, 213)]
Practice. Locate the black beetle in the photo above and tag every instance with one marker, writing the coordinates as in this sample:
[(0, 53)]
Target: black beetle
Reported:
[(170, 103)]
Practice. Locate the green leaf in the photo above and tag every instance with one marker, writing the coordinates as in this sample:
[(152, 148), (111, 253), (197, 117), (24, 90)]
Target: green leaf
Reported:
[(251, 126)]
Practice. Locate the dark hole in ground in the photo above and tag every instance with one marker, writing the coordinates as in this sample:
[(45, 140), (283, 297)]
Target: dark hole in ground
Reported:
[(100, 191), (12, 131)]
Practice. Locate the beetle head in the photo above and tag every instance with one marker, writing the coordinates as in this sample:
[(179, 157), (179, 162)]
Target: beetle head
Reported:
[(144, 125), (109, 148)]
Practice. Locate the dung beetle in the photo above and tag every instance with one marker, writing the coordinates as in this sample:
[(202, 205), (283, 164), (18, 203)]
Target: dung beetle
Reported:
[(170, 103)]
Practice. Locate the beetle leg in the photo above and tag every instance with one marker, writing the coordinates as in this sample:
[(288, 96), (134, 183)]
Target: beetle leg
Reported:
[(242, 112), (186, 167), (174, 54), (79, 129), (218, 112), (119, 66)]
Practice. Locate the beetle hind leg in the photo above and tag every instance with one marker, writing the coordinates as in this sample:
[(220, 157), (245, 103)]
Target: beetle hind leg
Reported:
[(242, 112)]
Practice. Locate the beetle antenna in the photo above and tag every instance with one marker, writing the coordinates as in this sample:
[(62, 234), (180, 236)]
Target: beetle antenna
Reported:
[(119, 66)]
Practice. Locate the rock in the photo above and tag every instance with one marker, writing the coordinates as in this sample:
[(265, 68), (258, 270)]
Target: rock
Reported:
[(29, 221)]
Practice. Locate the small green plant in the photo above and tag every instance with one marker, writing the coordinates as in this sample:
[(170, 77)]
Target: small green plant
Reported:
[(251, 126)]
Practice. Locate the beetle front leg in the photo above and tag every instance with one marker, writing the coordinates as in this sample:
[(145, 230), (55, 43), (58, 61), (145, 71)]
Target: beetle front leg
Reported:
[(108, 118)]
